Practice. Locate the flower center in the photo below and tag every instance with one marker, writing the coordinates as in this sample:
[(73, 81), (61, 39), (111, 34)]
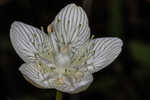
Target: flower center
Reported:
[(62, 60), (59, 60)]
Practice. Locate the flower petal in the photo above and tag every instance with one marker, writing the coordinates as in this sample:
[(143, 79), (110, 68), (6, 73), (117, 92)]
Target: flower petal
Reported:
[(71, 25), (106, 51), (26, 40), (34, 75), (53, 80), (73, 85)]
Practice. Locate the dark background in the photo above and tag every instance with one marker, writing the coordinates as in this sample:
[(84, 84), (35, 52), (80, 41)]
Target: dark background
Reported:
[(127, 78)]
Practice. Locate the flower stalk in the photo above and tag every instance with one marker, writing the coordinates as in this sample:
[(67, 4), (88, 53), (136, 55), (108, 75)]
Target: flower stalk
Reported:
[(59, 95)]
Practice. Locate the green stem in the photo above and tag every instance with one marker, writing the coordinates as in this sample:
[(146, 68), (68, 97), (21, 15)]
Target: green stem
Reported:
[(58, 95)]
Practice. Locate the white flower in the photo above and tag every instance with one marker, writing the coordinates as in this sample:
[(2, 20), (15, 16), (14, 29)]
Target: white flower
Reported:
[(66, 57)]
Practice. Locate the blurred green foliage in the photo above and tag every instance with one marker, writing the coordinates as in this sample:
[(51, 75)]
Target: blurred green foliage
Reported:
[(140, 52)]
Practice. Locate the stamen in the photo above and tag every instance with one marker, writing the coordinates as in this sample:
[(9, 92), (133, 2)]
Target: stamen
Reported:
[(59, 81), (92, 37), (42, 28), (44, 68)]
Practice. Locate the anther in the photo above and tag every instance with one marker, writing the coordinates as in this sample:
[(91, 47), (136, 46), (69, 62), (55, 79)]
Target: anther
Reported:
[(50, 28)]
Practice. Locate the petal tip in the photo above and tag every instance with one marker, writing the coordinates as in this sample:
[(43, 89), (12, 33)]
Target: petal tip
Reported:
[(15, 23), (72, 4), (120, 41)]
